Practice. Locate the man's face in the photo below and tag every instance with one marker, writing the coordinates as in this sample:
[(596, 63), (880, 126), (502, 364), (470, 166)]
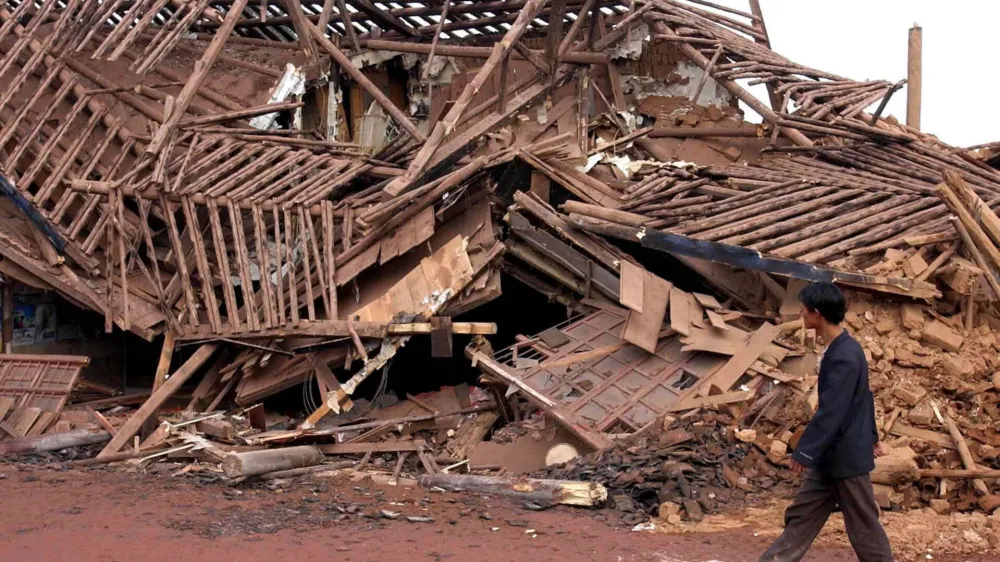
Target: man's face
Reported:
[(811, 318)]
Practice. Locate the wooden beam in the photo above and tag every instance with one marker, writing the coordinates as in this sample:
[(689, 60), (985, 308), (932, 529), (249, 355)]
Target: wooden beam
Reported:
[(355, 73), (751, 259), (239, 114), (434, 40), (963, 451), (345, 17), (190, 90), (384, 19), (565, 417), (465, 51), (299, 23), (359, 448), (160, 396), (337, 328), (447, 124), (746, 97)]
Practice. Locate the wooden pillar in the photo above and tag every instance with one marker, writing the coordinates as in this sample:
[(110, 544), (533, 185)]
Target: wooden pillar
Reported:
[(913, 77), (8, 314), (166, 354)]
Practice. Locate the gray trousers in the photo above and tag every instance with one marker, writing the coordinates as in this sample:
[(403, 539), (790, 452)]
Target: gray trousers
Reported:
[(813, 505)]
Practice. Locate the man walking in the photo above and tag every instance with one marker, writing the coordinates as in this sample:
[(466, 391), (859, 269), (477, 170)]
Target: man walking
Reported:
[(839, 445)]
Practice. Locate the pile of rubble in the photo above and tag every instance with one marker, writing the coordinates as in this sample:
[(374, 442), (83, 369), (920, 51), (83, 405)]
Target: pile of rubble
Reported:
[(297, 192)]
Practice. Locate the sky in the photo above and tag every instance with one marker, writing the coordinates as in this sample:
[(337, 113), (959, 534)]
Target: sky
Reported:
[(867, 39)]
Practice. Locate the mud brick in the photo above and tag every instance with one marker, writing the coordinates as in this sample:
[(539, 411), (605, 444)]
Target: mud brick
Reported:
[(942, 336), (912, 316), (941, 507), (884, 326), (882, 495), (907, 358), (922, 414), (914, 266), (958, 366), (910, 393), (989, 503)]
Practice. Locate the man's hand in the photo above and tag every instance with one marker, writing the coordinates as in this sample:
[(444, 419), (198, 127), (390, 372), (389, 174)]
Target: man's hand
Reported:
[(796, 466), (878, 450)]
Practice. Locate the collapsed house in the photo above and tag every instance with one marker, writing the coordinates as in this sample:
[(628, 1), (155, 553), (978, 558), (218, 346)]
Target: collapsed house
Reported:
[(299, 190)]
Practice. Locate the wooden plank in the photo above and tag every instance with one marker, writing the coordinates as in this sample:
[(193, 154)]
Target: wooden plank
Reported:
[(582, 356), (102, 421), (707, 301), (680, 312), (42, 424), (716, 320), (738, 364), (28, 417), (630, 293), (6, 403), (934, 437), (643, 329), (242, 252)]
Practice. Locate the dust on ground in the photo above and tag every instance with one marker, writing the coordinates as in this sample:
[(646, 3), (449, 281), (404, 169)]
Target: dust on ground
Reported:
[(110, 516)]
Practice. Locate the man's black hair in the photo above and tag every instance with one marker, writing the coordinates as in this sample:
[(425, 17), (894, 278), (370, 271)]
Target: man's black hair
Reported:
[(826, 299)]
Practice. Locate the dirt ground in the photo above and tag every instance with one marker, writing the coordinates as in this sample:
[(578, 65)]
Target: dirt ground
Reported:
[(111, 516)]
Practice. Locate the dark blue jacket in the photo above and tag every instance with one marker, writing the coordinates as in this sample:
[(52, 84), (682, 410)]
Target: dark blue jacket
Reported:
[(840, 438)]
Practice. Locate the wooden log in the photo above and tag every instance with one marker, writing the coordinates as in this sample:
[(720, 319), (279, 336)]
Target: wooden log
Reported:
[(157, 399), (293, 472), (253, 463), (976, 206), (977, 256), (976, 232), (896, 468), (53, 442), (957, 473), (117, 457), (542, 492), (963, 451), (613, 215)]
